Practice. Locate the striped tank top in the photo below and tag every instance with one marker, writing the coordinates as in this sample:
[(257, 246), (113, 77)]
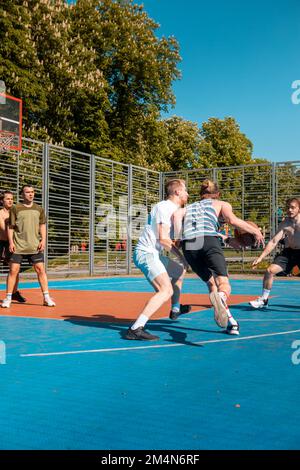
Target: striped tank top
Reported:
[(200, 220)]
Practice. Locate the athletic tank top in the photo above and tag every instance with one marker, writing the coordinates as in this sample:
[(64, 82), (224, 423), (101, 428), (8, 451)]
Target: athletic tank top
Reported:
[(200, 220)]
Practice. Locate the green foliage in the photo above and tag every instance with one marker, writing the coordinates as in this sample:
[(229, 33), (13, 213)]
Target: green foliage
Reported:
[(94, 76), (223, 144)]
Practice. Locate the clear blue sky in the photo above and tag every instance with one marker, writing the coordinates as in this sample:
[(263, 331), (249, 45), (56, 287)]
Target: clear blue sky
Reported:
[(239, 58)]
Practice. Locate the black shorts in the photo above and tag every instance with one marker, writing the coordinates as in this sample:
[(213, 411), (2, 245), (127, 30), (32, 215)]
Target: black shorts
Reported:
[(205, 256), (288, 259), (32, 259), (5, 254)]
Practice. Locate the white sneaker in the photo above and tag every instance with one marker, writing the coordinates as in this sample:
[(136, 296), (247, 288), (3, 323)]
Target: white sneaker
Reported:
[(220, 310), (6, 303), (49, 303), (233, 329), (259, 303)]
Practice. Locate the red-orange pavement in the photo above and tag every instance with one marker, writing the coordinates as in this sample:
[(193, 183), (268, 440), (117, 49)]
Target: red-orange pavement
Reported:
[(101, 305)]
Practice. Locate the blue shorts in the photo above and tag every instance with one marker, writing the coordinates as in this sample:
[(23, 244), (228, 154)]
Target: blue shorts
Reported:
[(154, 264)]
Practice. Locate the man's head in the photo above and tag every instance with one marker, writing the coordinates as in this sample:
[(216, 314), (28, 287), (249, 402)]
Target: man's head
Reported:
[(209, 190), (293, 207), (27, 192), (7, 199), (176, 190)]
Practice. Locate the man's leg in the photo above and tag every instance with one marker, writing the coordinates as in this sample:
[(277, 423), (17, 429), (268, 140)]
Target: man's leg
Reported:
[(14, 269), (211, 285), (271, 271), (16, 293), (224, 291), (176, 273), (43, 281), (164, 292)]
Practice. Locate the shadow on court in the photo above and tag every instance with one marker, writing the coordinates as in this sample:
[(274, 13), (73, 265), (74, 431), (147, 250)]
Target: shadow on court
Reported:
[(270, 309), (177, 333)]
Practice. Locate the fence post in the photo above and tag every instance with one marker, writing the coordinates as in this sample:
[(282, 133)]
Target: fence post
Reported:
[(129, 238), (45, 195), (273, 199), (215, 175), (92, 217), (161, 185)]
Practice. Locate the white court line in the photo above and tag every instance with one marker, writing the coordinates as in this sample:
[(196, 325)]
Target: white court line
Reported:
[(158, 346), (53, 286), (14, 316)]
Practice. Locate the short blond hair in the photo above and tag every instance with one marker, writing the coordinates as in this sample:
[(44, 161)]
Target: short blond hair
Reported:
[(172, 186)]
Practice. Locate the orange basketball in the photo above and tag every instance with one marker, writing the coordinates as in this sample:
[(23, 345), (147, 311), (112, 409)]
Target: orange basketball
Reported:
[(245, 239)]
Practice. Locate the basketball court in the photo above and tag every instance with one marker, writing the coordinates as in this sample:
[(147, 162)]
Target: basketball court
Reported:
[(71, 380)]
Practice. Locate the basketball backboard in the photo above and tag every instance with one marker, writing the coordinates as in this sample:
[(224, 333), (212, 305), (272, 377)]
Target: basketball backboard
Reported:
[(10, 122)]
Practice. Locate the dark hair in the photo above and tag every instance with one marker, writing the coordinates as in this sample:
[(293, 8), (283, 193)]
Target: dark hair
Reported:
[(209, 189), (172, 185), (3, 194), (292, 199), (26, 186)]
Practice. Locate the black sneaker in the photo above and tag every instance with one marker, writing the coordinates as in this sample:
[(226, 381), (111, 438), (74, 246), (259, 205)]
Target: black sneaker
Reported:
[(233, 329), (183, 309), (140, 334), (18, 297)]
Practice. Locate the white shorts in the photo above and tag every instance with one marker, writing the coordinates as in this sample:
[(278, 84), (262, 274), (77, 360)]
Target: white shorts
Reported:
[(154, 264)]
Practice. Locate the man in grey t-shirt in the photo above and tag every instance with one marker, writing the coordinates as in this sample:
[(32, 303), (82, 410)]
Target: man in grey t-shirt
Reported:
[(27, 239)]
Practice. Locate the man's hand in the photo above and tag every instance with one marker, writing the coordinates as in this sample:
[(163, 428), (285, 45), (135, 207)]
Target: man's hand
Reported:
[(41, 246), (12, 247), (259, 239), (256, 262)]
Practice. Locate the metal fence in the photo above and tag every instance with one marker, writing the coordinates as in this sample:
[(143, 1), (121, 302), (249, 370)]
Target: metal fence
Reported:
[(92, 203), (256, 192), (89, 201)]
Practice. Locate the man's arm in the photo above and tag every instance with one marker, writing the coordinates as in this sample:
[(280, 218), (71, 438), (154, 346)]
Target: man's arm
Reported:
[(177, 223), (271, 245), (2, 222), (168, 244), (232, 219), (10, 235), (42, 243)]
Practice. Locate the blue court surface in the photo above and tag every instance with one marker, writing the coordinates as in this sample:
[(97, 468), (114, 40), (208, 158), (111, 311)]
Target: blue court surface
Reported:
[(80, 385)]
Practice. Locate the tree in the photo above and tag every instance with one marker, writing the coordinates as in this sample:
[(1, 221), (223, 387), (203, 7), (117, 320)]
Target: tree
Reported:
[(183, 140), (20, 67), (223, 144), (138, 69)]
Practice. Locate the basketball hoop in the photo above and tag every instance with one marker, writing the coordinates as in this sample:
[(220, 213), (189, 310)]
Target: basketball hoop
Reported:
[(6, 139)]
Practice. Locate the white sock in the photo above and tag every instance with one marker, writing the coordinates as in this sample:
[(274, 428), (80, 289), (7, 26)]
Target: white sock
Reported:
[(141, 321), (46, 296), (265, 294), (8, 296), (231, 320)]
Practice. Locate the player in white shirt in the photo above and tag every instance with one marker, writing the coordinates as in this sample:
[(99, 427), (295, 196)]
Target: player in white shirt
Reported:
[(163, 273)]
